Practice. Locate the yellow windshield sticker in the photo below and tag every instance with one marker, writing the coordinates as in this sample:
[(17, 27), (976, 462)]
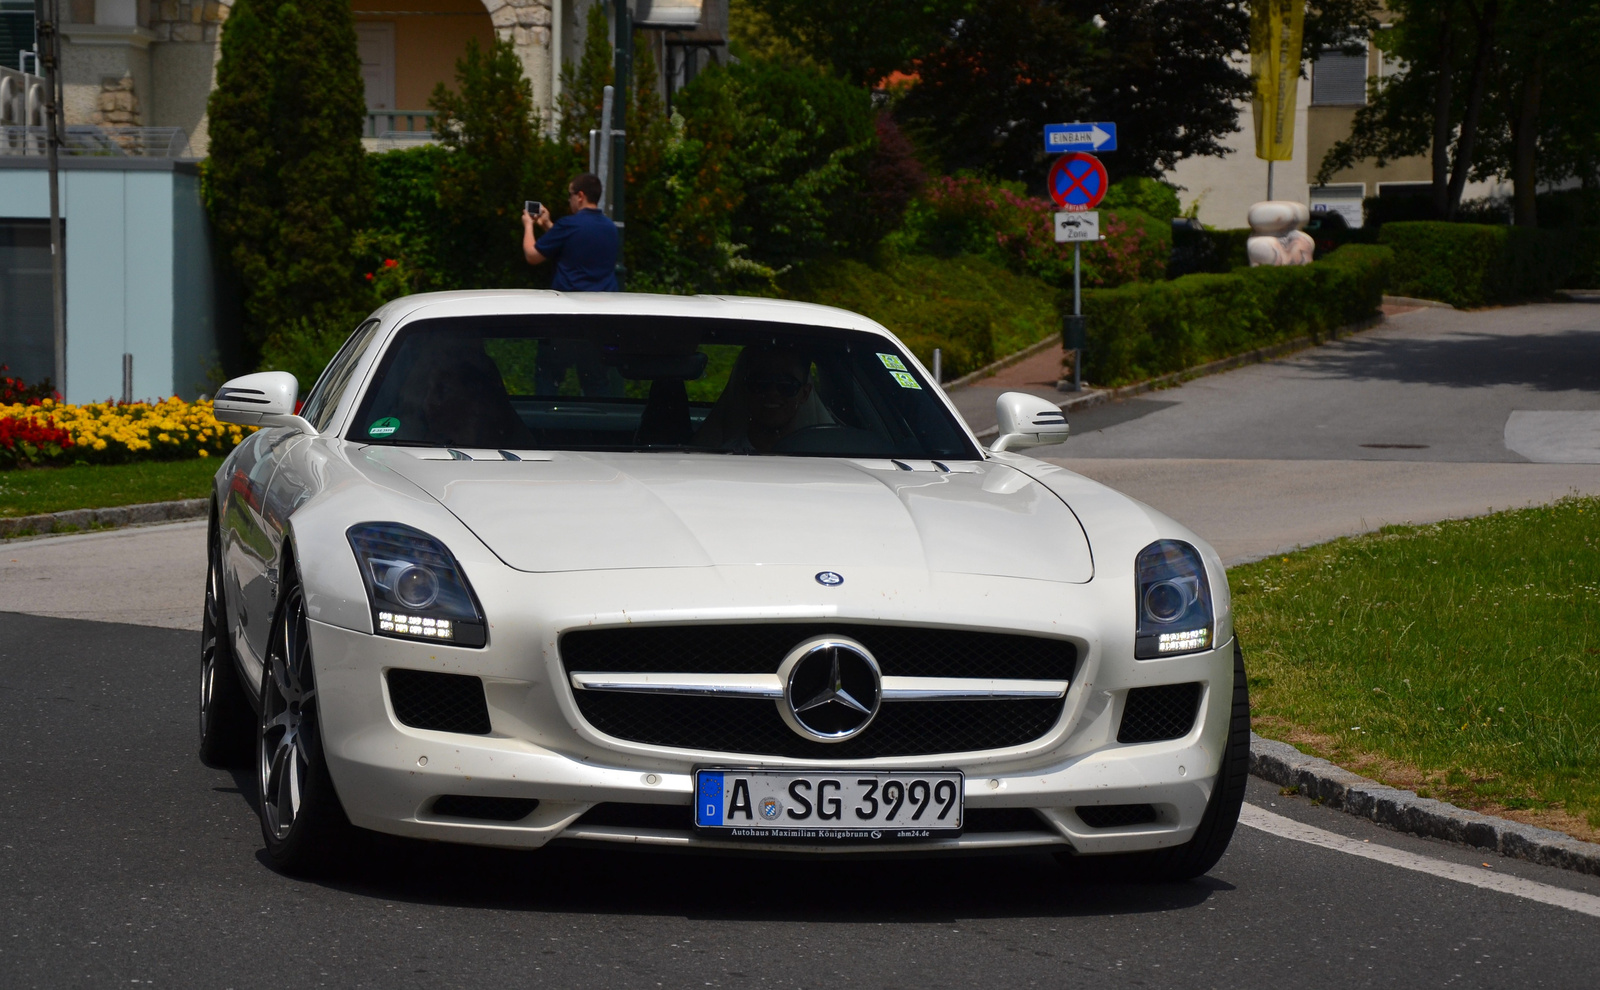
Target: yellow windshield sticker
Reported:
[(892, 362), (905, 379)]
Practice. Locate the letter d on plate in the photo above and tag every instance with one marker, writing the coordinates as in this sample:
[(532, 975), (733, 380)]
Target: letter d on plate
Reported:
[(709, 806)]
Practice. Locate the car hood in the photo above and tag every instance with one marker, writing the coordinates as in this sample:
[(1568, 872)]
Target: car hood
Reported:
[(568, 511)]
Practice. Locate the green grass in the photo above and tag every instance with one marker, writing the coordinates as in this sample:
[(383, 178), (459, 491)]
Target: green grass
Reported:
[(101, 486), (1461, 659)]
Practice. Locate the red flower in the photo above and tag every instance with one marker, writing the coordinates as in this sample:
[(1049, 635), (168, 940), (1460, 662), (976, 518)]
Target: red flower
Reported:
[(389, 262), (369, 276)]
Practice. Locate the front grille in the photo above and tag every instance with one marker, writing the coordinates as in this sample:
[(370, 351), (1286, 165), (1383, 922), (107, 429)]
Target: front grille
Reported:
[(754, 726), (1154, 713), (1115, 815), (758, 648), (493, 809), (445, 702)]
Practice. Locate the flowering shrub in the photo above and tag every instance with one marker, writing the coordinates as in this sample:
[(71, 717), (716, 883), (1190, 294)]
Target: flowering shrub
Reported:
[(45, 431), (978, 217), (16, 390)]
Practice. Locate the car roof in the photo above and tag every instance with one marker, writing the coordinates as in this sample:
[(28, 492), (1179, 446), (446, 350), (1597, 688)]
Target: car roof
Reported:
[(515, 302)]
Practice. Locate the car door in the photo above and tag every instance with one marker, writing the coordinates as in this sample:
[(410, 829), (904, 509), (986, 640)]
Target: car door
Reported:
[(247, 547)]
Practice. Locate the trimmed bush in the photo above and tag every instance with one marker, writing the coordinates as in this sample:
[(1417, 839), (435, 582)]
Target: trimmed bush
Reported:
[(997, 221), (1143, 330), (1468, 264), (971, 308)]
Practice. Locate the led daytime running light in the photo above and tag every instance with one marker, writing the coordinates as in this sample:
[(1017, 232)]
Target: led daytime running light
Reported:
[(414, 625)]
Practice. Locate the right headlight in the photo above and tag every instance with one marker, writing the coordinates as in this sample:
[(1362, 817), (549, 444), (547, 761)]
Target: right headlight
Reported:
[(415, 587), (1174, 601)]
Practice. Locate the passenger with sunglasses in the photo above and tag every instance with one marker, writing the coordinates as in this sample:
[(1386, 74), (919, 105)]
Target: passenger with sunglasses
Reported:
[(768, 399)]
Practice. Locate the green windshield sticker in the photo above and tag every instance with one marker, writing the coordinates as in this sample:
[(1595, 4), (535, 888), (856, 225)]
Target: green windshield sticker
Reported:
[(893, 363), (905, 379), (383, 427)]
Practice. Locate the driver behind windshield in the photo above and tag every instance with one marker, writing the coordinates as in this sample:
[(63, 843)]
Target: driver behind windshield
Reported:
[(466, 405), (769, 396)]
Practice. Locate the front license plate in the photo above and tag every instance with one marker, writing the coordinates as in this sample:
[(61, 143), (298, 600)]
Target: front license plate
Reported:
[(797, 804)]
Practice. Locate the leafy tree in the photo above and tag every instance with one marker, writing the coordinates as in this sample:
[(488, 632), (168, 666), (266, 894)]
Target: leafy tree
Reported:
[(864, 40), (1161, 69), (495, 160), (286, 185), (796, 141), (1489, 88)]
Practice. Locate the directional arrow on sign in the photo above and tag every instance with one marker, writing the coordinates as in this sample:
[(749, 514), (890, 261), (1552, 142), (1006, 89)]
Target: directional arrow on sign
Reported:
[(1098, 136)]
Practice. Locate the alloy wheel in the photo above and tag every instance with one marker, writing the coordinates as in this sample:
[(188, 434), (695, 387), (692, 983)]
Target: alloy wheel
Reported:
[(288, 719)]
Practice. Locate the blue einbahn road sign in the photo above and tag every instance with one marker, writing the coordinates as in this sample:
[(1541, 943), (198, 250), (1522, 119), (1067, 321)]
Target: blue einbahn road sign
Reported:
[(1095, 137)]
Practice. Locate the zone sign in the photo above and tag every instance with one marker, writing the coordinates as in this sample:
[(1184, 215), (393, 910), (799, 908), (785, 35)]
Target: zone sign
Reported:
[(1077, 182)]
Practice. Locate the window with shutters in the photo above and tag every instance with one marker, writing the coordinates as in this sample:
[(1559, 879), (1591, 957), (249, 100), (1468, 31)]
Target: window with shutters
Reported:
[(1338, 79)]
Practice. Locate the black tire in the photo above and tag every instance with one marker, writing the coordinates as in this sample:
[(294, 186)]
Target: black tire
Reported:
[(302, 822), (227, 723), (1197, 856)]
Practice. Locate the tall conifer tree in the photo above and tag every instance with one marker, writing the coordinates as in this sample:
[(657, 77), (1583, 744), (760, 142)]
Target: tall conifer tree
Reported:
[(286, 184)]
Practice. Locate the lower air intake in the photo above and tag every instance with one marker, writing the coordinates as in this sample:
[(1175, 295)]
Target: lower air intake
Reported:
[(1155, 713), (489, 809), (443, 702), (1115, 815)]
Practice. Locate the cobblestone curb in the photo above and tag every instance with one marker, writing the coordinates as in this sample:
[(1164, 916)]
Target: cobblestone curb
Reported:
[(75, 520), (1403, 811)]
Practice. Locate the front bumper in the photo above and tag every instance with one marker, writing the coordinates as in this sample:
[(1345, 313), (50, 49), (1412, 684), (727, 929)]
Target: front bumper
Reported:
[(388, 774)]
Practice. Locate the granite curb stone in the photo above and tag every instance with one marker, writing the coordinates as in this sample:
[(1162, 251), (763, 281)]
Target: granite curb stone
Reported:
[(1404, 811), (123, 515)]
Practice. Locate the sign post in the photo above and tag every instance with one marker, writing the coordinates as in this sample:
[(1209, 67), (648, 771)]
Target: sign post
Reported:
[(1077, 183)]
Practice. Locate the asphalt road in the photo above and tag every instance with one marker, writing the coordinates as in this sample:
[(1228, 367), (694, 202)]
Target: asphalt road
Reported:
[(126, 862)]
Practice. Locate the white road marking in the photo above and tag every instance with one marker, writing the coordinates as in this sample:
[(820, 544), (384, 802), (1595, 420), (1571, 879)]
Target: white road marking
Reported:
[(1287, 828), (1554, 437)]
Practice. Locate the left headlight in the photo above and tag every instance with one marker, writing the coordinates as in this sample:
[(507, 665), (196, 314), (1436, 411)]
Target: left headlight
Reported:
[(415, 587), (1174, 601)]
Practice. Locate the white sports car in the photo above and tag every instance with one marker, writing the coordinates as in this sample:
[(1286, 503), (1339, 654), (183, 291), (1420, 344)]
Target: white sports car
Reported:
[(705, 574)]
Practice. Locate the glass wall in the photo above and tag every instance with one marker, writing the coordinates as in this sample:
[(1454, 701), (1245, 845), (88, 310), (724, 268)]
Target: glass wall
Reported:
[(27, 332)]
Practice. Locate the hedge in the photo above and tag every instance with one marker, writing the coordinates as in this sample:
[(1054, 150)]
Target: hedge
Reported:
[(971, 308), (1142, 330), (1468, 264)]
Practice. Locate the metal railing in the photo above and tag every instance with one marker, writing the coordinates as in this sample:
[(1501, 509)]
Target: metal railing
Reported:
[(89, 141), (403, 125)]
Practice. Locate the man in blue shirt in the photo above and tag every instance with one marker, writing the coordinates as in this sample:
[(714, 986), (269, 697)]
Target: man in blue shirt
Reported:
[(583, 244)]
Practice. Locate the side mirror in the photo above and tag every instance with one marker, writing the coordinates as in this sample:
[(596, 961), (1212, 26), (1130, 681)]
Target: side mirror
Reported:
[(263, 399), (1027, 421)]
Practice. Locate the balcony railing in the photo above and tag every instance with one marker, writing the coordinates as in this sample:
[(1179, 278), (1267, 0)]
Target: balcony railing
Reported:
[(401, 125), (89, 141)]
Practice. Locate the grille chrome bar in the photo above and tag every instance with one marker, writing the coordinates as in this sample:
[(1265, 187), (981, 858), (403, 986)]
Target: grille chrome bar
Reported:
[(771, 687)]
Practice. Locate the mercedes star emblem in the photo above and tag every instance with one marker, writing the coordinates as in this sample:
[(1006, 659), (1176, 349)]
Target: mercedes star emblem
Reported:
[(830, 579), (831, 688)]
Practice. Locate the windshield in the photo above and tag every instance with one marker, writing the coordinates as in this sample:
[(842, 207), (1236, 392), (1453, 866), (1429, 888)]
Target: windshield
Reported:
[(643, 383)]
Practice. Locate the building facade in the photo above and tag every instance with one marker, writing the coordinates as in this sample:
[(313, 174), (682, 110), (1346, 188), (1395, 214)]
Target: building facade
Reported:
[(152, 63), (1333, 87)]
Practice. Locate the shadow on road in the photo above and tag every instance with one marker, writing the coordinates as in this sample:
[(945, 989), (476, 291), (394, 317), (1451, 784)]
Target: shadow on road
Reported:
[(1550, 362), (624, 882)]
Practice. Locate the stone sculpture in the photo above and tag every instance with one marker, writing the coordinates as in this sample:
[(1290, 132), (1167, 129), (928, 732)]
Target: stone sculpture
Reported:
[(1277, 238)]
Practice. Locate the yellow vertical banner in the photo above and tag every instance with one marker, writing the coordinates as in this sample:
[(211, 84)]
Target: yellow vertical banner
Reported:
[(1275, 33)]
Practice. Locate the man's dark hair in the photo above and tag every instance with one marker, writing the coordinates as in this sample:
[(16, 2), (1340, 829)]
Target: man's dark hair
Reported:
[(587, 183)]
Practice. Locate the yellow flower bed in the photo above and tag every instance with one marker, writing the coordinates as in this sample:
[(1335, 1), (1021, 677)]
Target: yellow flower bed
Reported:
[(114, 432)]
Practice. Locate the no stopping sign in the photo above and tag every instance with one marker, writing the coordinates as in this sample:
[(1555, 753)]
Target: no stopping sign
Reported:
[(1077, 182)]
